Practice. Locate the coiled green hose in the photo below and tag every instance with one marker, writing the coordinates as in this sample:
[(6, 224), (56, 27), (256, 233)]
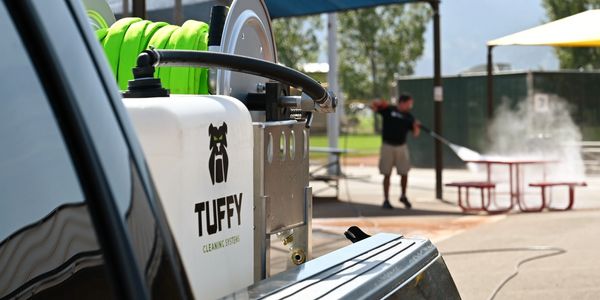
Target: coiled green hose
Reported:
[(128, 37)]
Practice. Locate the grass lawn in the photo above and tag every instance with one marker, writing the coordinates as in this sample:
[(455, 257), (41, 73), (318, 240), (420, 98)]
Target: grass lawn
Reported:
[(361, 145)]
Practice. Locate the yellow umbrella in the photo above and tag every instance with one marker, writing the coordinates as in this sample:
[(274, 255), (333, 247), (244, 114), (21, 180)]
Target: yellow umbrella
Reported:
[(580, 30)]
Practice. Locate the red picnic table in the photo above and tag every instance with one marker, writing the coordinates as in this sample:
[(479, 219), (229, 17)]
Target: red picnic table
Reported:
[(516, 179)]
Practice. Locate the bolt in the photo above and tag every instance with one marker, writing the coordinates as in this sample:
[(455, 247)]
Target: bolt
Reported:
[(260, 87)]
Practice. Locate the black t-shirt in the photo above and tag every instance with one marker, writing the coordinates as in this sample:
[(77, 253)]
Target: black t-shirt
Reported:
[(396, 125)]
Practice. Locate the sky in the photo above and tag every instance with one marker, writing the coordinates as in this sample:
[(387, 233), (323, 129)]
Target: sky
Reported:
[(468, 24)]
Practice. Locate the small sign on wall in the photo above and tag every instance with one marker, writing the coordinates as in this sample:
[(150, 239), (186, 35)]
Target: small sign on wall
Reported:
[(541, 102), (438, 93)]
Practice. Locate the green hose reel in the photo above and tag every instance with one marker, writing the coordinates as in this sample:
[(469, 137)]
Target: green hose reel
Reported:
[(128, 37)]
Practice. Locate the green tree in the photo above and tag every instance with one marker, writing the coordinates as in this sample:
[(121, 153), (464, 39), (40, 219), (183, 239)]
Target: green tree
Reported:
[(296, 40), (573, 57), (376, 44)]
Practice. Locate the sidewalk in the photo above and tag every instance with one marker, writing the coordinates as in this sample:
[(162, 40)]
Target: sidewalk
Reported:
[(573, 275)]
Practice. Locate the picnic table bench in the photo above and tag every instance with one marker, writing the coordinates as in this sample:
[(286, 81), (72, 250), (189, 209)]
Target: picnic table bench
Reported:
[(483, 186), (323, 172), (546, 202)]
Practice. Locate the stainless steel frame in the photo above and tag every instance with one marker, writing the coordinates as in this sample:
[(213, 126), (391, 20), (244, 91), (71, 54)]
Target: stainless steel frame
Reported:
[(282, 196)]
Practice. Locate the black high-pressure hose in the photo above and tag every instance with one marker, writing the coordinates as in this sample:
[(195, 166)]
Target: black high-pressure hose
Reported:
[(149, 59)]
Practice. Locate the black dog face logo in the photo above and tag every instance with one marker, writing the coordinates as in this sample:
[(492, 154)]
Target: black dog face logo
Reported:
[(218, 162)]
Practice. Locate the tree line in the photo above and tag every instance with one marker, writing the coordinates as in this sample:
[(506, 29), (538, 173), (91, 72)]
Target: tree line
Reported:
[(375, 45)]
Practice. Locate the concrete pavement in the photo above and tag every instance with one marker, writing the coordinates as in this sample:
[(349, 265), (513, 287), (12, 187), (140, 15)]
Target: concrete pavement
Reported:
[(572, 275)]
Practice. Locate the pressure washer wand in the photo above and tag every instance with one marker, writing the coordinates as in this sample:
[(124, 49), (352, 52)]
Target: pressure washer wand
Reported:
[(463, 153), (435, 135)]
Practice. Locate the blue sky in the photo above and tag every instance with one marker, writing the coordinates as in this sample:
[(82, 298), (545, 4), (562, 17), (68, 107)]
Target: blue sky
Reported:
[(468, 24)]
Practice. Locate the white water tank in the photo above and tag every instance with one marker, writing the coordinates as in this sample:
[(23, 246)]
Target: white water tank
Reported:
[(199, 149)]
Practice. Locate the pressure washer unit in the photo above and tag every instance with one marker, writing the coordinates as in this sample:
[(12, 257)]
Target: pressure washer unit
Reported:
[(230, 162)]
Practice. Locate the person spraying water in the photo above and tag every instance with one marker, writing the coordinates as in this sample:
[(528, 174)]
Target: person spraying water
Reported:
[(397, 122)]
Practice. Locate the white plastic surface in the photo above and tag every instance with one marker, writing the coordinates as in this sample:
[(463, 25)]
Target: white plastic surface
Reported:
[(176, 138)]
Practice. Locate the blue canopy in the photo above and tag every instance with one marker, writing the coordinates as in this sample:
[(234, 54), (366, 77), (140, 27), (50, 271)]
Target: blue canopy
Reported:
[(287, 8)]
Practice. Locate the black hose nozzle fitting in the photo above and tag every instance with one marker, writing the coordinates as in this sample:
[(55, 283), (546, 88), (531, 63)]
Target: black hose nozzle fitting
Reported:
[(144, 85)]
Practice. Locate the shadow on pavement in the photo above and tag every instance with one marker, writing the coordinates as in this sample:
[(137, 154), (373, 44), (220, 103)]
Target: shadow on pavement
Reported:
[(331, 208)]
